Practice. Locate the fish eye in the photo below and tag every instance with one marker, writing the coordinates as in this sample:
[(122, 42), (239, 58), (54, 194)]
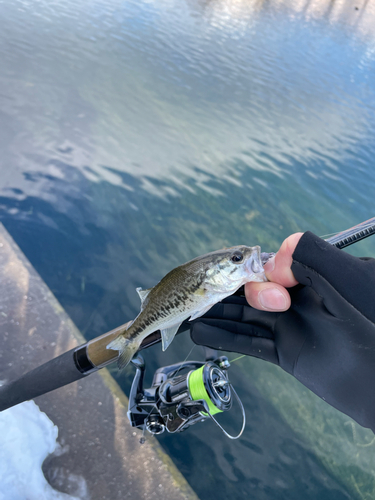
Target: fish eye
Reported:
[(237, 257)]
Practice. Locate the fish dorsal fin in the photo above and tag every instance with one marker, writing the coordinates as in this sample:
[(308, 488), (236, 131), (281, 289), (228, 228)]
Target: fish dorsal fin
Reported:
[(167, 335), (143, 295)]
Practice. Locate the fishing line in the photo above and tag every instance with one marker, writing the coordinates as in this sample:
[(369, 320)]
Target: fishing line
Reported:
[(324, 236), (353, 234), (215, 391), (198, 390), (236, 359), (363, 225), (179, 368)]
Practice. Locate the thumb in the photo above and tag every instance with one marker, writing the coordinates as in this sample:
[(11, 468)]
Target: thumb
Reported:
[(278, 269)]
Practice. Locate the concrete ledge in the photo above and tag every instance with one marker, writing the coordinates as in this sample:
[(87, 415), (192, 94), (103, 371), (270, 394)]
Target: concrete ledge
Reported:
[(97, 442)]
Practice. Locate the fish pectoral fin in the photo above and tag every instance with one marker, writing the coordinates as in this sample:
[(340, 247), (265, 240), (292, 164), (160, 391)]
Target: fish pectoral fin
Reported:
[(143, 295), (167, 335), (210, 288), (200, 313)]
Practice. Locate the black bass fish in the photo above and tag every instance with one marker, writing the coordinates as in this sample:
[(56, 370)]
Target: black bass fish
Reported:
[(189, 291)]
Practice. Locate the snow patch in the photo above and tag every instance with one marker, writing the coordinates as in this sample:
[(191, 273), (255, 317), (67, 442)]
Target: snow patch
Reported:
[(27, 437)]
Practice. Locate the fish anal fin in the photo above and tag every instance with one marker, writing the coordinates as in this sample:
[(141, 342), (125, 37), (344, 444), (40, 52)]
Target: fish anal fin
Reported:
[(200, 313), (126, 348), (167, 335)]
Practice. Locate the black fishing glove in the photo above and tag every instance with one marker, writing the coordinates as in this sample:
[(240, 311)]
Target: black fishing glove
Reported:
[(327, 337)]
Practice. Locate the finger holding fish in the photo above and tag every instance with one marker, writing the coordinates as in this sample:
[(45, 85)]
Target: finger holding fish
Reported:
[(273, 295)]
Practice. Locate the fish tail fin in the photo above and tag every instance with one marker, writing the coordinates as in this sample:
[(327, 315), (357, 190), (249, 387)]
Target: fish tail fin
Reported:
[(126, 347)]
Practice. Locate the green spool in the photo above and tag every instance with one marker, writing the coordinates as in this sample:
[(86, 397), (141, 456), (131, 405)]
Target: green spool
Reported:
[(198, 391)]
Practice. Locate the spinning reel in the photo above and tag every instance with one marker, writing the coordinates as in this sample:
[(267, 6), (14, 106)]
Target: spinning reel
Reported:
[(181, 395)]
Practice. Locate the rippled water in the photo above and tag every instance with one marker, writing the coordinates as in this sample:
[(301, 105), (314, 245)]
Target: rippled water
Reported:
[(135, 135)]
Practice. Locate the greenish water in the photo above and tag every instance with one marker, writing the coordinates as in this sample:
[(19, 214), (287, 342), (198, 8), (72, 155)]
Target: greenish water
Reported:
[(137, 135)]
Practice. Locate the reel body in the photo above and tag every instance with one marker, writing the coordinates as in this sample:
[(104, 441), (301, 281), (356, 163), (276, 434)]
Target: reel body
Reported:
[(181, 395)]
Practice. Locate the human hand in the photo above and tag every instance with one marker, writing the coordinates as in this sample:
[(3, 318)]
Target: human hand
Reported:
[(273, 295), (326, 339)]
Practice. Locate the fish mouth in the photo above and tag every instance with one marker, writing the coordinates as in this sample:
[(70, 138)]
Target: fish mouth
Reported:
[(265, 257), (255, 265)]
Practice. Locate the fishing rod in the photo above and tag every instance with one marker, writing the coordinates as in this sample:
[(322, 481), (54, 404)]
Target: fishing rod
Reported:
[(353, 235), (93, 355)]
